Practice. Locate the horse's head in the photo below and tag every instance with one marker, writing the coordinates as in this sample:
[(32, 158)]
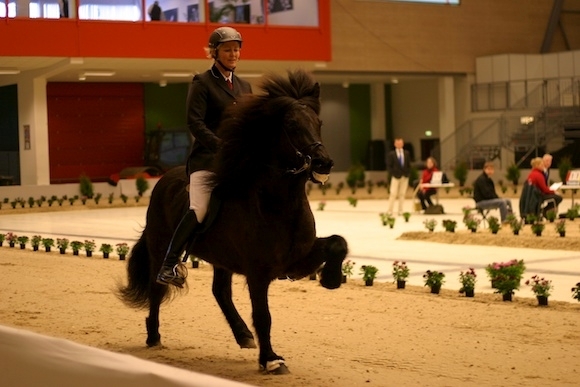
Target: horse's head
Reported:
[(303, 133)]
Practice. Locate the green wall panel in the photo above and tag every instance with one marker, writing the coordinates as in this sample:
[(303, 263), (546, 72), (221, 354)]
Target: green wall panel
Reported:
[(165, 106), (359, 97)]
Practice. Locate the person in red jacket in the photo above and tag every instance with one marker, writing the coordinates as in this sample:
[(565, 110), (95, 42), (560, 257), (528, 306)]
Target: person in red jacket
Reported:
[(538, 180), (424, 194)]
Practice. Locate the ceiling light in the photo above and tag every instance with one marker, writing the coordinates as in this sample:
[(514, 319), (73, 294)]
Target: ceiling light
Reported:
[(98, 73), (394, 81), (9, 71), (82, 78), (177, 74)]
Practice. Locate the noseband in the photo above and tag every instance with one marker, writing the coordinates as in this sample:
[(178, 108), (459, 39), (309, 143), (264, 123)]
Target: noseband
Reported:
[(306, 158)]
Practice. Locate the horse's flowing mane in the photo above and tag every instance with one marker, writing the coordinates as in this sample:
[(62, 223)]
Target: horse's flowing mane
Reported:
[(251, 137)]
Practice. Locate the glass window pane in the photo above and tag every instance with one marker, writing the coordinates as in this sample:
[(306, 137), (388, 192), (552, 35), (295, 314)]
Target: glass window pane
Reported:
[(293, 13)]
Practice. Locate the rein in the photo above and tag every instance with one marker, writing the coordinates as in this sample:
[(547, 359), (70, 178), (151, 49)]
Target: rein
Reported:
[(307, 159)]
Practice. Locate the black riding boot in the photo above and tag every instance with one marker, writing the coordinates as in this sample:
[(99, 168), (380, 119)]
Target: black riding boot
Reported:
[(183, 233)]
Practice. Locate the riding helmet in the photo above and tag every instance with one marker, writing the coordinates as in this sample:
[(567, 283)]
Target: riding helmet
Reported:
[(224, 34)]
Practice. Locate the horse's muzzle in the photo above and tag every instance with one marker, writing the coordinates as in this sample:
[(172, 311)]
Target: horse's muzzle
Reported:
[(320, 169)]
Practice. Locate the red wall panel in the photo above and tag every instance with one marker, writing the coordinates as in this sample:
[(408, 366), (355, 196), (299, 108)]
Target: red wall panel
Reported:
[(94, 128)]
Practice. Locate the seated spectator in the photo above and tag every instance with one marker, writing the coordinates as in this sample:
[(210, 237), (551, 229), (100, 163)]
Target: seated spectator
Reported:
[(485, 196), (537, 179), (424, 194)]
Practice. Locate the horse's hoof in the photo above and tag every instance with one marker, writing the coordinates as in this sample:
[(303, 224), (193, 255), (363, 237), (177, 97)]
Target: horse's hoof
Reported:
[(247, 343), (275, 367), (153, 343)]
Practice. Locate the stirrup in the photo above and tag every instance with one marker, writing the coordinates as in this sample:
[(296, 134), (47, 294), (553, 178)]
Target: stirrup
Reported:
[(174, 276)]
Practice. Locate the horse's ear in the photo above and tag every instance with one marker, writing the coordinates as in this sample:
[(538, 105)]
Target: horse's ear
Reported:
[(316, 91)]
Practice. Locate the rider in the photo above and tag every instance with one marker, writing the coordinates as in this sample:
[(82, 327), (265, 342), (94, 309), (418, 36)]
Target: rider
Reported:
[(210, 93)]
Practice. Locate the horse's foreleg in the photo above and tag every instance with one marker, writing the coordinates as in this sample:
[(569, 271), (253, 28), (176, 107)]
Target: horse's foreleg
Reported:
[(222, 291), (152, 322), (269, 361)]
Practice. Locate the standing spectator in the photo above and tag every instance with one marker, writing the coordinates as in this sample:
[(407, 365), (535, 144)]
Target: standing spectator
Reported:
[(155, 12), (424, 194), (399, 168), (485, 196)]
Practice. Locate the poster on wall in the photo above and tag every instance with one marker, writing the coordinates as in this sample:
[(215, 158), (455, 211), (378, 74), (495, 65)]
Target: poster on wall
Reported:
[(170, 15), (280, 5), (193, 13), (242, 14)]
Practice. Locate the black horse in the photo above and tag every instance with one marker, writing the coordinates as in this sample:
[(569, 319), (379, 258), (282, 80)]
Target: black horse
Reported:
[(264, 228)]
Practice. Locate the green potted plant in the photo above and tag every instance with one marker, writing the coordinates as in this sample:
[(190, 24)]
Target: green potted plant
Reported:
[(89, 246), (538, 227), (468, 279), (564, 166), (11, 238), (551, 215), (347, 268), (513, 175), (515, 224), (460, 173), (62, 244), (321, 205), (122, 249), (430, 224), (506, 277), (97, 198), (47, 243), (23, 239), (355, 177), (576, 292), (106, 249), (494, 224), (35, 242), (561, 227), (76, 246), (572, 213), (194, 261), (541, 288), (2, 238), (352, 201), (449, 225), (471, 222), (369, 273), (141, 184), (86, 186), (400, 273), (434, 279), (406, 216)]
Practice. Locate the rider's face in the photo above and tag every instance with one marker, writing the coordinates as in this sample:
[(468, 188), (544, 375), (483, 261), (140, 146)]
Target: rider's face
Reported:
[(228, 53)]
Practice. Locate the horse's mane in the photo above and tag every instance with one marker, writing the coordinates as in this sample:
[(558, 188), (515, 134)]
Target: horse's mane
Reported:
[(249, 138)]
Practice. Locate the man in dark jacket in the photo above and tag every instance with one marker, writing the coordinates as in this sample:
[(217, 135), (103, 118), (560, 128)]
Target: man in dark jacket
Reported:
[(399, 168), (485, 196)]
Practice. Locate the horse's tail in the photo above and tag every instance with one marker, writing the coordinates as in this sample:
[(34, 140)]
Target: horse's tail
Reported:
[(136, 293)]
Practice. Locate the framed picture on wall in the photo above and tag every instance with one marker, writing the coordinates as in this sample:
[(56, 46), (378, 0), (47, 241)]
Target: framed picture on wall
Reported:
[(193, 13), (242, 13), (280, 5), (170, 15)]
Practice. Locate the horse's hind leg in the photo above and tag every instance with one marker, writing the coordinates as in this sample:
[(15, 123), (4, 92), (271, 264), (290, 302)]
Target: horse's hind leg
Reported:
[(152, 322), (222, 291)]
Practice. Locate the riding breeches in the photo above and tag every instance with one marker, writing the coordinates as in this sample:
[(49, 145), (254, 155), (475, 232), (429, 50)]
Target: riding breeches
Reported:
[(199, 193)]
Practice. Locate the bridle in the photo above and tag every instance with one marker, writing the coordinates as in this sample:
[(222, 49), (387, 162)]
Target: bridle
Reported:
[(300, 154)]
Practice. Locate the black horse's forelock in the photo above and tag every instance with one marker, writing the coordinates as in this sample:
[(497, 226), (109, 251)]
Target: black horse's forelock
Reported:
[(258, 120)]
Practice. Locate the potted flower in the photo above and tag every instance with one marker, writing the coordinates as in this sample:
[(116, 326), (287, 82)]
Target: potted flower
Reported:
[(494, 224), (106, 249), (47, 243), (400, 273), (406, 216), (11, 238), (551, 215), (515, 224), (89, 246), (576, 292), (23, 240), (62, 244), (369, 273), (122, 249), (466, 211), (541, 288), (468, 279), (561, 227), (471, 222), (430, 224), (537, 227), (76, 246), (434, 279), (506, 277), (321, 205), (347, 267), (449, 225), (35, 242)]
